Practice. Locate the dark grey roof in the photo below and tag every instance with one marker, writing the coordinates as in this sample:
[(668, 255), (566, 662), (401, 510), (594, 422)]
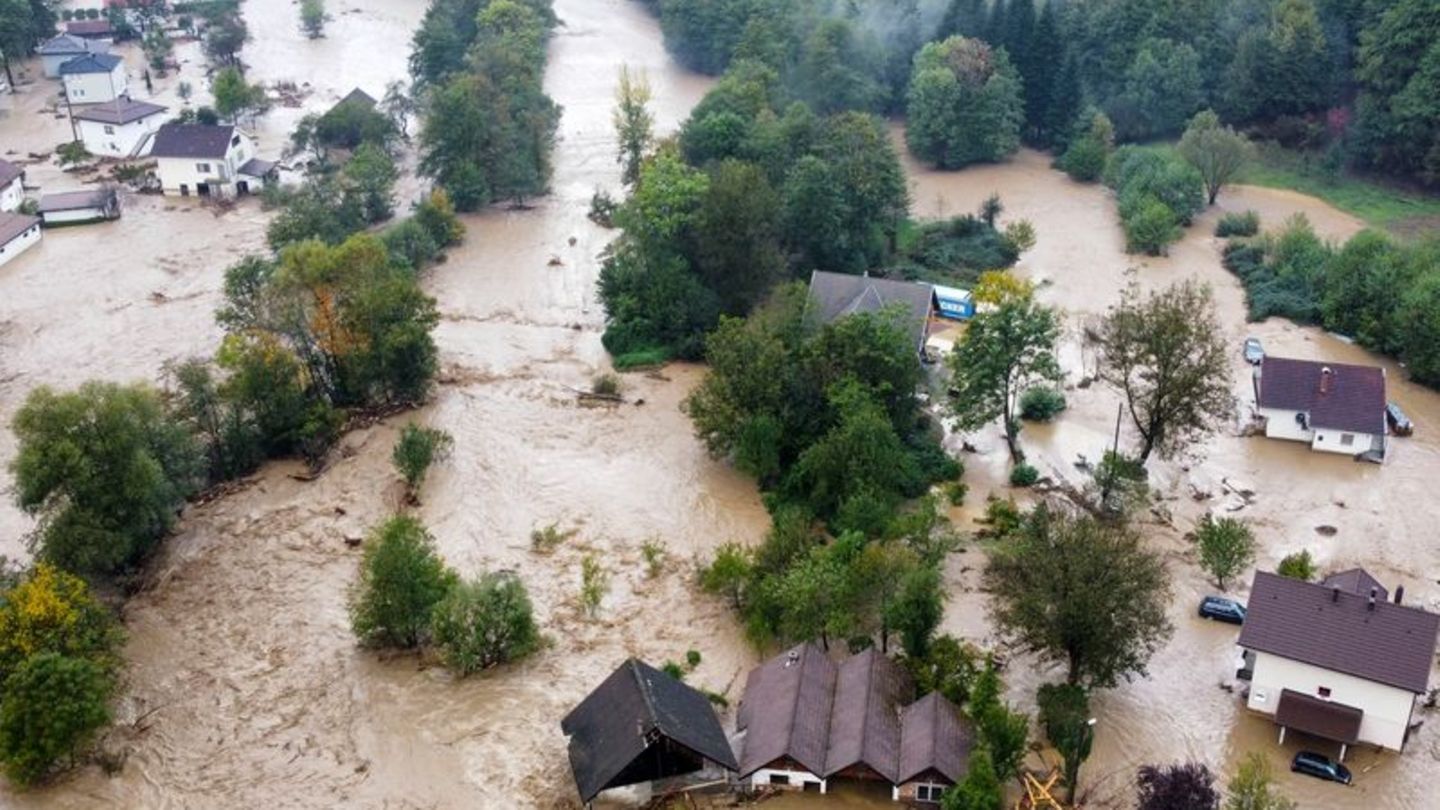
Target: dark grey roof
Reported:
[(786, 710), (627, 714), (75, 200), (63, 44), (356, 96), (90, 63), (192, 141), (1356, 580), (9, 172), (836, 295), (934, 737), (255, 167), (89, 28), (865, 716), (1323, 718), (120, 111), (12, 225), (1352, 398), (1337, 630)]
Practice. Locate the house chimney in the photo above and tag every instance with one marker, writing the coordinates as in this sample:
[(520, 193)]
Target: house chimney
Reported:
[(1325, 375), (1399, 594), (1373, 592), (1334, 593)]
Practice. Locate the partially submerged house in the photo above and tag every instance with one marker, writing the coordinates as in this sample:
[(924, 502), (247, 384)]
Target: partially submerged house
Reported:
[(18, 233), (119, 128), (1333, 407), (1336, 659), (94, 30), (807, 721), (12, 185), (836, 295), (208, 161), (58, 50), (94, 78), (641, 725), (79, 207)]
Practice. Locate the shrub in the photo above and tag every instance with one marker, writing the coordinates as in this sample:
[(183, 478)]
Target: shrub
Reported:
[(546, 538), (641, 358), (1241, 223), (606, 385), (73, 152), (594, 584), (1041, 403), (402, 579), (1024, 475), (53, 705), (955, 492), (1150, 226), (50, 611), (603, 208), (483, 623), (653, 550), (416, 449), (674, 670), (729, 572), (692, 658), (1299, 565), (1002, 516)]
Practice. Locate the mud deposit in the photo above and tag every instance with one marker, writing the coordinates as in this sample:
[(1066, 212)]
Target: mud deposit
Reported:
[(244, 687)]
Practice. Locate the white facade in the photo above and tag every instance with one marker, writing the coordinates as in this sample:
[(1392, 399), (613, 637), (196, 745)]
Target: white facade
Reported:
[(73, 216), (12, 195), (1387, 708), (50, 62), (209, 177), (96, 88), (775, 777), (1281, 424), (20, 243), (117, 140)]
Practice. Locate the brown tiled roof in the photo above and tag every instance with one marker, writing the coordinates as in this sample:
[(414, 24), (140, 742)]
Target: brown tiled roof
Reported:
[(75, 200), (933, 736), (1340, 631), (1356, 580), (12, 225), (865, 717), (627, 715), (192, 141), (90, 28), (1323, 718), (9, 172), (120, 111), (786, 710), (835, 295), (1354, 397)]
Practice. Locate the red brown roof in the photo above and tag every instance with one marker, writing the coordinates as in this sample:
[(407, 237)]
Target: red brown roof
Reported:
[(786, 710), (865, 717), (1341, 631), (1356, 580), (13, 225), (933, 737), (9, 172), (1323, 718), (1352, 398)]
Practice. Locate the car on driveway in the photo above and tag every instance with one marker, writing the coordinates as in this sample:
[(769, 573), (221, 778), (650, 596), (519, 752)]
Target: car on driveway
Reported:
[(1320, 767), (1222, 610), (1399, 423), (1254, 352)]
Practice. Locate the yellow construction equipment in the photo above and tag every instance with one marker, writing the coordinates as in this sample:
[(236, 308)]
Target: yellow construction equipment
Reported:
[(1040, 795)]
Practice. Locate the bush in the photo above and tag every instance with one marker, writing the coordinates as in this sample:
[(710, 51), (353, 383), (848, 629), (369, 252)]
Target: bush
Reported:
[(50, 611), (603, 208), (416, 449), (1242, 223), (1002, 515), (594, 584), (1299, 565), (1150, 226), (955, 492), (1024, 475), (1227, 547), (606, 385), (653, 550), (547, 538), (1041, 403), (53, 705), (402, 579), (484, 623)]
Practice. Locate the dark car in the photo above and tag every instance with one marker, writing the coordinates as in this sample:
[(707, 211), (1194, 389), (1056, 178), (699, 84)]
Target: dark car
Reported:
[(1254, 352), (1222, 610), (1399, 423), (1320, 767)]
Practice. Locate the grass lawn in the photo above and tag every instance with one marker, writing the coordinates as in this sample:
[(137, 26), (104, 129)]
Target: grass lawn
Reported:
[(1380, 205)]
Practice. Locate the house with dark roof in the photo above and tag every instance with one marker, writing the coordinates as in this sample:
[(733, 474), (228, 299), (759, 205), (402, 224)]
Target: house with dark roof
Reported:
[(836, 295), (18, 233), (1336, 659), (806, 721), (91, 29), (641, 725), (208, 161), (79, 207), (58, 50), (94, 78), (1333, 407), (12, 185), (119, 128)]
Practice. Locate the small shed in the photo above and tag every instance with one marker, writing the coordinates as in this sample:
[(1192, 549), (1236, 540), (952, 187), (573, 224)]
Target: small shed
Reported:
[(79, 207), (641, 725), (954, 303)]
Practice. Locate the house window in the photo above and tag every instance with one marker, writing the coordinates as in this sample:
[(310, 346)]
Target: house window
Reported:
[(109, 130), (929, 793), (203, 168), (1347, 439), (779, 779), (1323, 691)]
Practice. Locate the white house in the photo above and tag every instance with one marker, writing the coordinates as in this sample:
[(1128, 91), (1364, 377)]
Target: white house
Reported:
[(208, 160), (1333, 407), (12, 189), (94, 79), (17, 233), (119, 128), (1336, 659), (79, 207), (61, 49)]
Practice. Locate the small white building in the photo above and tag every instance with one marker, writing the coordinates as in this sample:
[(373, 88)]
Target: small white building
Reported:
[(94, 79), (208, 161), (1336, 659), (12, 186), (61, 49), (18, 232), (1333, 407), (119, 128), (79, 207)]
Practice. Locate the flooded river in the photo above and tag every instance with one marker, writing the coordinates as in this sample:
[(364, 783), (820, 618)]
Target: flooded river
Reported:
[(244, 686)]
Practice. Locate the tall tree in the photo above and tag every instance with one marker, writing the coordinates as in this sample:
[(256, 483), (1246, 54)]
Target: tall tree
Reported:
[(1398, 67), (1227, 547), (1162, 89), (964, 104), (634, 123), (1253, 787), (1166, 354), (1217, 152)]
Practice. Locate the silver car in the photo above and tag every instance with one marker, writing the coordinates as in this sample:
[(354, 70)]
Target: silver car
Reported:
[(1254, 352)]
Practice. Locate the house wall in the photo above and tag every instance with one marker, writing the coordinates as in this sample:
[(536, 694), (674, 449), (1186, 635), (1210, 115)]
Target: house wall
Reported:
[(12, 195), (122, 140), (908, 792), (796, 780), (1333, 441), (95, 88), (19, 244), (1387, 709), (50, 64), (75, 215), (174, 172), (1282, 425)]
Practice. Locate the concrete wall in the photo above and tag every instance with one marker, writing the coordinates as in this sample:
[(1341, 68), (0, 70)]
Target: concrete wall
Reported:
[(121, 140), (1333, 441), (1387, 709), (12, 195), (19, 245), (796, 779), (96, 88)]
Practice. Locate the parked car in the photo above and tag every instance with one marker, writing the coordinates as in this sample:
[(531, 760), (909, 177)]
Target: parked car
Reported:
[(1222, 610), (1399, 423), (1320, 767), (1254, 352)]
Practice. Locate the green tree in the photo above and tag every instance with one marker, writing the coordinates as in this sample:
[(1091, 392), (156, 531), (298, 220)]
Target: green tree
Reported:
[(1003, 731), (1299, 565), (1227, 547), (948, 667), (1065, 716), (50, 611), (402, 579), (1162, 89), (917, 608), (1253, 787), (729, 572), (312, 18), (1217, 152), (225, 35), (230, 436), (981, 789), (737, 246), (1083, 593), (52, 706), (1184, 786), (1282, 69), (483, 623), (1398, 69), (964, 104), (1420, 341), (235, 97), (1166, 353), (1365, 285), (369, 176), (1084, 159), (106, 469), (416, 449), (634, 123)]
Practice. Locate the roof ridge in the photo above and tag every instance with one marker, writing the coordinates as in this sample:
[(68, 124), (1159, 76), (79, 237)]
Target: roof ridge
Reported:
[(644, 687)]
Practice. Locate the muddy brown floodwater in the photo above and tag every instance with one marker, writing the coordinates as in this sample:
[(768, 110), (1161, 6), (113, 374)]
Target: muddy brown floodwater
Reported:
[(244, 687)]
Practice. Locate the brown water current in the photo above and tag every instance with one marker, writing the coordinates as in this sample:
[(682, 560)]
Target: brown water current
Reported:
[(244, 687)]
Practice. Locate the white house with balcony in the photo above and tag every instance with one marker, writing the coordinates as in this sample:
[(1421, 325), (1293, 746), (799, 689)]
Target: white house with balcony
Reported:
[(1337, 659), (208, 161), (94, 79), (119, 128), (1333, 407)]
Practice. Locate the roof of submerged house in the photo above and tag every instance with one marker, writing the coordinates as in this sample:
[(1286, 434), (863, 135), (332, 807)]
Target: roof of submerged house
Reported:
[(864, 717), (122, 110), (786, 709), (839, 294), (9, 172), (1338, 396), (62, 44), (192, 141), (75, 200), (933, 737), (1356, 580), (12, 225), (90, 63), (89, 28)]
